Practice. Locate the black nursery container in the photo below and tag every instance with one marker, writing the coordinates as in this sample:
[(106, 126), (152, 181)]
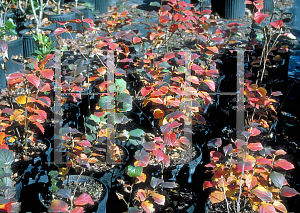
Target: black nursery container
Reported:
[(14, 48), (268, 6), (64, 17), (229, 9), (28, 44)]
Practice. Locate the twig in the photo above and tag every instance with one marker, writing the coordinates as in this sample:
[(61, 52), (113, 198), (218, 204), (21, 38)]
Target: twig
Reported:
[(227, 205)]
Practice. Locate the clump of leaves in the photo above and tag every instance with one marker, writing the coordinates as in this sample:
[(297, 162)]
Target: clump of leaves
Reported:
[(144, 199)]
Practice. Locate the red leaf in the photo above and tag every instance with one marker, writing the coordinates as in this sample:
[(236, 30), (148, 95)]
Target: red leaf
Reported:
[(276, 24), (199, 70), (288, 192), (44, 100), (267, 208), (205, 96), (85, 143), (83, 199), (182, 4), (214, 49), (184, 140), (284, 164), (79, 79), (159, 155), (146, 90), (208, 184), (262, 161), (170, 138), (169, 55), (34, 80), (90, 21), (136, 40), (173, 28), (263, 194), (78, 210), (141, 193), (164, 19), (40, 126), (59, 206), (59, 31), (127, 60), (206, 12), (277, 93), (254, 131), (15, 76), (113, 46), (76, 21), (41, 113), (259, 17), (210, 84), (217, 40), (166, 160), (47, 73), (255, 146)]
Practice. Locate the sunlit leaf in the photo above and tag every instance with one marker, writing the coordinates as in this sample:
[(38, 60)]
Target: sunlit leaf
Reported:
[(148, 206), (279, 206), (263, 194), (21, 99), (267, 208), (47, 73), (34, 80), (83, 199), (216, 197), (255, 146), (251, 181), (259, 17), (284, 164), (141, 193), (276, 24), (59, 206), (158, 198)]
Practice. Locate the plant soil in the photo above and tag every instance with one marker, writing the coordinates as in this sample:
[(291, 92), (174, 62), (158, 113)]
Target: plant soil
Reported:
[(92, 187)]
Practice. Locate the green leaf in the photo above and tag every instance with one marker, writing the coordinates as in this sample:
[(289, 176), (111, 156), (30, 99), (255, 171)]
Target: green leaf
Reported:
[(6, 157), (95, 118), (154, 3), (90, 137), (277, 178), (92, 125), (120, 85), (259, 36), (53, 174), (106, 102), (136, 133), (134, 171), (164, 65), (181, 69), (125, 107), (119, 118), (124, 97)]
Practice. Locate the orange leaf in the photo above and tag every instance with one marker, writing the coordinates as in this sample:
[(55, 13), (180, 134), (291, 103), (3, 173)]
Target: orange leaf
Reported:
[(158, 113), (251, 181), (216, 197), (158, 198), (136, 40), (279, 206), (148, 206), (59, 206), (21, 99), (214, 49)]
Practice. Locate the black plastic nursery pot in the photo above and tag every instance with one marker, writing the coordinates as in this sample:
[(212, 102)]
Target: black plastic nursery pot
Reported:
[(99, 205), (20, 166), (229, 9), (63, 17), (28, 44), (14, 48), (268, 6)]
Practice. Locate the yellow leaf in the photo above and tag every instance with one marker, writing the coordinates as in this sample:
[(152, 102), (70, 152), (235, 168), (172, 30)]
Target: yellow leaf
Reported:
[(12, 139), (21, 99)]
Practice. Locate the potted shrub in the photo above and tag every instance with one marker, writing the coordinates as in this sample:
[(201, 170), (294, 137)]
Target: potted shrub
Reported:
[(76, 193), (9, 34)]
